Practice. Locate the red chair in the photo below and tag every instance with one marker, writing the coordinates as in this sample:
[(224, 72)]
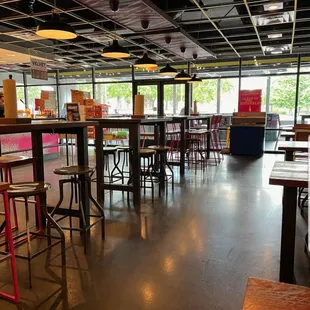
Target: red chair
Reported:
[(215, 140), (173, 135), (10, 245)]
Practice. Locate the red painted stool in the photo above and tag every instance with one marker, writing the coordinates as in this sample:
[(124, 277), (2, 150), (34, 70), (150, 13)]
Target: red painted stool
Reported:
[(9, 240)]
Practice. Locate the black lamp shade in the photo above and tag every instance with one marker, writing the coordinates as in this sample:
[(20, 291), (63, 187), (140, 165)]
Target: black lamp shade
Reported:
[(182, 76), (168, 71), (145, 62), (56, 30), (115, 51)]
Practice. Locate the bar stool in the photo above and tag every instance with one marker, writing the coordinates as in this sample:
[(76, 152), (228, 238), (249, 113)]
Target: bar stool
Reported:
[(25, 190), (195, 140), (116, 172), (7, 162), (10, 245), (75, 172), (148, 171), (163, 151)]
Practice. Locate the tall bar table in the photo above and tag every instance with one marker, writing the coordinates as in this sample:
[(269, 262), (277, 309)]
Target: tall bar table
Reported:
[(133, 125), (290, 175), (37, 129)]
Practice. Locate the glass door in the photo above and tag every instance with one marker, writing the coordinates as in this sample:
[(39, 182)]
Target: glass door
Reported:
[(174, 99), (150, 93)]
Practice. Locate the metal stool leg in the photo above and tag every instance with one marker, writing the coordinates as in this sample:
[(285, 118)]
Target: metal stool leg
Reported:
[(28, 241), (16, 296), (83, 219)]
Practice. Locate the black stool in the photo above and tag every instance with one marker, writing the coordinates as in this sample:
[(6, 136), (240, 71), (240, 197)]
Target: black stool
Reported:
[(75, 172), (25, 190), (125, 150), (162, 151), (116, 172), (148, 171)]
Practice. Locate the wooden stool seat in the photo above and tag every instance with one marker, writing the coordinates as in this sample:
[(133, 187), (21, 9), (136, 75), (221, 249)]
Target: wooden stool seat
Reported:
[(146, 153), (109, 149), (73, 170), (27, 189), (159, 149), (14, 161)]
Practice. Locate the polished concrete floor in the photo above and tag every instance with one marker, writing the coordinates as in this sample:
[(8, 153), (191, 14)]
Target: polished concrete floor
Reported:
[(195, 249)]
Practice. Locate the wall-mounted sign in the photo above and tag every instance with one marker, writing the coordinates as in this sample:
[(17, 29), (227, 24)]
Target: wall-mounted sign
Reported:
[(250, 100), (38, 69)]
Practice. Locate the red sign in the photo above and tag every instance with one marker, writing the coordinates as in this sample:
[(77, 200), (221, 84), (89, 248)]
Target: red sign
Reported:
[(250, 100)]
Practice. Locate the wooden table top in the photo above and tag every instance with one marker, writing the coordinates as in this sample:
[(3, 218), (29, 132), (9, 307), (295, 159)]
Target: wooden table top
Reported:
[(42, 126), (268, 295), (298, 146), (290, 174)]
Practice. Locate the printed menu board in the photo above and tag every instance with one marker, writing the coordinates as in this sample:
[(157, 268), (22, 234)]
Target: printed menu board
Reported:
[(250, 100)]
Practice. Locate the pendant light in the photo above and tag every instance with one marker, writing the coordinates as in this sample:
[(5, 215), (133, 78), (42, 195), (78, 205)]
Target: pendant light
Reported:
[(182, 76), (115, 51), (194, 79), (145, 62), (55, 29), (168, 71)]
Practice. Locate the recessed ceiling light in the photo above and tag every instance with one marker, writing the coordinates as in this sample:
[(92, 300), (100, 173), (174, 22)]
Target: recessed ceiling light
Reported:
[(274, 35), (11, 55), (273, 6)]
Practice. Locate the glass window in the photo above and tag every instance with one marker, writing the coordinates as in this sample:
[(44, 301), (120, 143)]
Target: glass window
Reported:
[(18, 77), (229, 95), (51, 79), (75, 76), (20, 93), (268, 66), (282, 98), (174, 99), (305, 64), (113, 75), (150, 98), (303, 112), (217, 69), (117, 95), (205, 94)]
